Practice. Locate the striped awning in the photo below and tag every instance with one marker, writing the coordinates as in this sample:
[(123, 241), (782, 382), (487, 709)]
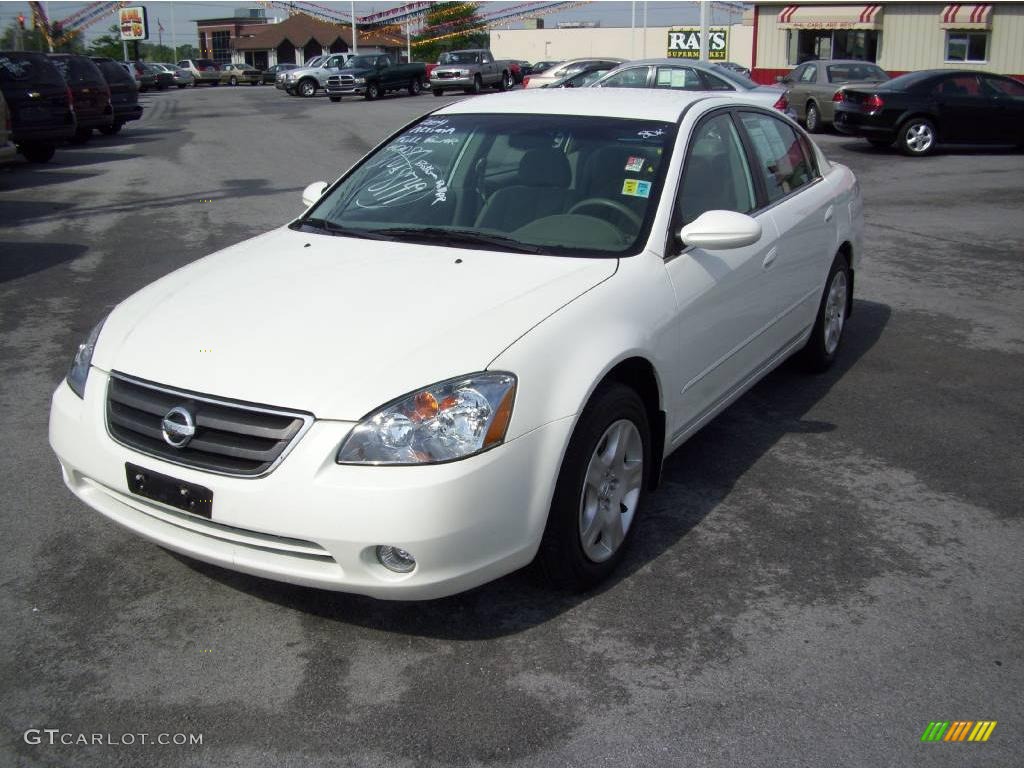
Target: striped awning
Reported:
[(814, 16), (966, 16)]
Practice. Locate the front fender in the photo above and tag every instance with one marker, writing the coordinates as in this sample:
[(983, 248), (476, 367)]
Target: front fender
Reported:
[(562, 360)]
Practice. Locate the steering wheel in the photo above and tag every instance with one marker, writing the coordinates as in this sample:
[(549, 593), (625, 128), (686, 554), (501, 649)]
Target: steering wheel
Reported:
[(615, 205)]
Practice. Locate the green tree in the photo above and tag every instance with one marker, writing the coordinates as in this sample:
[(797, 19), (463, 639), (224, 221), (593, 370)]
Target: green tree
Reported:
[(462, 29), (31, 39)]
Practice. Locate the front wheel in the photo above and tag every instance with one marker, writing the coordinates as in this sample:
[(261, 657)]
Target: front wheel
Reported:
[(335, 99), (821, 349), (917, 137), (81, 136), (414, 87), (37, 153), (307, 88), (438, 92), (215, 83), (372, 91), (478, 85), (110, 130), (600, 488), (182, 85)]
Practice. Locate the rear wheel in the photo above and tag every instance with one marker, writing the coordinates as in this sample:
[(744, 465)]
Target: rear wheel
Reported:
[(182, 85), (507, 82), (215, 83), (820, 351), (813, 119), (232, 80), (37, 153), (438, 92), (414, 87), (110, 130), (600, 488), (917, 137), (81, 136)]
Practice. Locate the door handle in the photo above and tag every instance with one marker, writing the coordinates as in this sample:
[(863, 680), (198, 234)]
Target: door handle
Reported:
[(770, 258), (828, 213)]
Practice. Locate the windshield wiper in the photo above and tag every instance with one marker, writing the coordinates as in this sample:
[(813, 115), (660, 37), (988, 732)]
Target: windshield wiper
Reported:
[(335, 229), (460, 237)]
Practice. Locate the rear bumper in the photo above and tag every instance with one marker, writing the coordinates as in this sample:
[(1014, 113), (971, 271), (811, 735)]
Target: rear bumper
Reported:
[(96, 121), (857, 124), (125, 112), (44, 135)]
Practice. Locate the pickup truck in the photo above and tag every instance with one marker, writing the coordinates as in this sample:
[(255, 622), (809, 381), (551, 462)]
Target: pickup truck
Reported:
[(470, 71), (306, 81), (373, 75)]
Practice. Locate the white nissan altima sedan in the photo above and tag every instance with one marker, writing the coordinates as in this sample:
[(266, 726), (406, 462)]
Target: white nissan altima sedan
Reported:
[(472, 351)]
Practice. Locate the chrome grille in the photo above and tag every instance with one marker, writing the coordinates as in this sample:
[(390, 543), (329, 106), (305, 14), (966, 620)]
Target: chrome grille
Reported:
[(231, 438)]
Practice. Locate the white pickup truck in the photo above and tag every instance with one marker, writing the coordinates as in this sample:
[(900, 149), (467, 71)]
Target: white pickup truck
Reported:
[(470, 71)]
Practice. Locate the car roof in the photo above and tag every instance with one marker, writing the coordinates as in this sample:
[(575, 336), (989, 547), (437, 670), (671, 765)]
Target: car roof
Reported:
[(635, 103), (840, 61)]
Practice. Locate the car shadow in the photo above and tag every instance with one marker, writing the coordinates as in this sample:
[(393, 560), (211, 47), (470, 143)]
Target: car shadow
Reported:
[(862, 147), (520, 600), (24, 175), (25, 258)]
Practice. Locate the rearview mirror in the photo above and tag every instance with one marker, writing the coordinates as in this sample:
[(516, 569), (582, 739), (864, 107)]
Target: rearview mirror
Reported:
[(721, 230), (313, 192)]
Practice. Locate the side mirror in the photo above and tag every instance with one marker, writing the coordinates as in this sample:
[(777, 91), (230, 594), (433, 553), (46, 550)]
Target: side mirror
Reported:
[(721, 230), (313, 192), (781, 79)]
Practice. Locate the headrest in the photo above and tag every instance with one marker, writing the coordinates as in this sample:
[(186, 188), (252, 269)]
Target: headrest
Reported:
[(544, 168)]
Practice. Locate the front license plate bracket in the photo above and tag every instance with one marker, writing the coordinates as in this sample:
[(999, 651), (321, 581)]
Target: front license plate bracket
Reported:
[(188, 497)]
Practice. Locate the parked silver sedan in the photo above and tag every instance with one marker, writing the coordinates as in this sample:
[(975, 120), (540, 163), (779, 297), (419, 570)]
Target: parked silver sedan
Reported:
[(813, 85), (182, 77), (689, 75)]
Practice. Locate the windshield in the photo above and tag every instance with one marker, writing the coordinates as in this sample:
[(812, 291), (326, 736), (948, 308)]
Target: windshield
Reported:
[(459, 57), (554, 184), (848, 73)]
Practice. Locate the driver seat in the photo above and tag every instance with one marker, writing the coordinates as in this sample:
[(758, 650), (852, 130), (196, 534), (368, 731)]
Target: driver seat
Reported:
[(541, 189)]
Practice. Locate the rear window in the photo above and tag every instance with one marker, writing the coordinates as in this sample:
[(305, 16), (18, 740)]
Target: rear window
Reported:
[(28, 69), (114, 72), (849, 73), (200, 63), (77, 70)]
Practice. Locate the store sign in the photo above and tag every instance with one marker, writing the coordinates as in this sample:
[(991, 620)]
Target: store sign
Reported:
[(132, 22), (684, 43)]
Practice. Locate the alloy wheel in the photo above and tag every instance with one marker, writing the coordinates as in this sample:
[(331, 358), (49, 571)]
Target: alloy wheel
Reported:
[(611, 490), (835, 312)]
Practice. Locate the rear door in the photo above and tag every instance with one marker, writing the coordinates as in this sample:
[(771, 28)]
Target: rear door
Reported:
[(630, 77), (678, 78), (800, 203), (1007, 96), (965, 112)]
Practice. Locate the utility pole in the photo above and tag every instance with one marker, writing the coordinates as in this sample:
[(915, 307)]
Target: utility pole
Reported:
[(632, 30), (704, 31), (645, 29), (408, 45), (174, 38), (355, 32)]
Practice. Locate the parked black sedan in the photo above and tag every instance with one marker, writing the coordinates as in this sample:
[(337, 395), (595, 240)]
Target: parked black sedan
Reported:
[(919, 110), (269, 75)]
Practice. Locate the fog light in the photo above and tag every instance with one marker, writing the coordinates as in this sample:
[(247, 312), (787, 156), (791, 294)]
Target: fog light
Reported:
[(395, 559)]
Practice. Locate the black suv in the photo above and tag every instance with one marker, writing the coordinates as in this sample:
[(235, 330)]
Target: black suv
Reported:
[(40, 103), (90, 96), (124, 93)]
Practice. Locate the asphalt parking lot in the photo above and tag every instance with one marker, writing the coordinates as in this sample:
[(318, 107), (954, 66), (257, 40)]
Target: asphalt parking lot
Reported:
[(832, 564)]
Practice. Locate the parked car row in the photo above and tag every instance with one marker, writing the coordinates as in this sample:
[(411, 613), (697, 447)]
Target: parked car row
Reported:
[(50, 99), (915, 112)]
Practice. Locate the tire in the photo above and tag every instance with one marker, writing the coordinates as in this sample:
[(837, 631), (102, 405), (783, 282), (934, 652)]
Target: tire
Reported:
[(182, 85), (81, 136), (414, 87), (507, 82), (37, 153), (813, 118), (372, 92), (478, 85), (232, 81), (335, 99), (917, 137), (827, 336), (215, 83), (600, 489), (111, 130), (880, 143), (438, 92), (307, 88)]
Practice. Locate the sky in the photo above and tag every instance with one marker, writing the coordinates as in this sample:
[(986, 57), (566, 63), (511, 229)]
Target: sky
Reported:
[(610, 13)]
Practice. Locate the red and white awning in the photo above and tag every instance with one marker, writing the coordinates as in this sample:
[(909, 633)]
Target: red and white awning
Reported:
[(814, 16), (966, 16)]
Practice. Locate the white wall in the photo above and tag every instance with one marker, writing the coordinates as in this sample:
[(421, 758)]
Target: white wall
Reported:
[(545, 44)]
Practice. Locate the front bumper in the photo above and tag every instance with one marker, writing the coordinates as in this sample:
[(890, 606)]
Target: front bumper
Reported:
[(450, 83), (316, 523), (346, 90)]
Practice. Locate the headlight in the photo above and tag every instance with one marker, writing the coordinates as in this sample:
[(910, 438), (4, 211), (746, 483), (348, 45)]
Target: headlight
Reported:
[(360, 80), (446, 421), (79, 370)]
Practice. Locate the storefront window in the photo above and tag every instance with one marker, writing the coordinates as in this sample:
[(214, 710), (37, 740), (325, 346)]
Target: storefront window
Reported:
[(966, 46), (221, 47), (815, 44)]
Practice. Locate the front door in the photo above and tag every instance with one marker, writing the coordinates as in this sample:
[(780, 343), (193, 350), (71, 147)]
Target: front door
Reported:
[(965, 112)]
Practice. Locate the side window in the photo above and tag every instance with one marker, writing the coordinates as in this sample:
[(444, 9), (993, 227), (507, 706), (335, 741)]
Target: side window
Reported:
[(810, 73), (999, 86), (183, 64), (716, 176), (487, 59), (634, 77), (678, 79), (780, 158), (959, 85)]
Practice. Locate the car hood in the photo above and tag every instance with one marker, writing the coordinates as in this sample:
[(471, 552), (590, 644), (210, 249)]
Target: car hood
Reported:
[(331, 325), (302, 71)]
